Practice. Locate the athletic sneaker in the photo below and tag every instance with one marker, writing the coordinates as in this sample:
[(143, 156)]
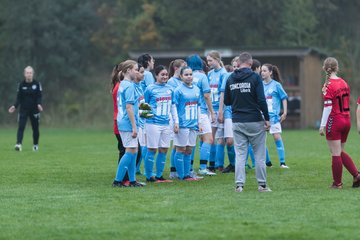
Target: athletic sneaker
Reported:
[(151, 179), (264, 188), (173, 175), (194, 175), (18, 147), (336, 186), (230, 168), (162, 180), (206, 172), (356, 181), (239, 189), (136, 184), (35, 148), (188, 178), (118, 184), (269, 164), (283, 165)]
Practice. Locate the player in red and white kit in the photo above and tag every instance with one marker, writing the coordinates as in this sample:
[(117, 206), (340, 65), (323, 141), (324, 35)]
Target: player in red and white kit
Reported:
[(336, 123)]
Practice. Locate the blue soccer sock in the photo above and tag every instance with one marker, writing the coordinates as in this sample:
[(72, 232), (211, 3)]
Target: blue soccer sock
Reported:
[(132, 167), (160, 164), (252, 156), (138, 165), (219, 157), (187, 164), (281, 150), (231, 154), (267, 156), (204, 155), (149, 163), (123, 166), (172, 160), (179, 163), (212, 155)]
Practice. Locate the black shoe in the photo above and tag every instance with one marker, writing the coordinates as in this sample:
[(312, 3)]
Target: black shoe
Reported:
[(152, 179), (118, 184), (230, 168), (212, 169), (356, 182), (269, 164), (136, 184)]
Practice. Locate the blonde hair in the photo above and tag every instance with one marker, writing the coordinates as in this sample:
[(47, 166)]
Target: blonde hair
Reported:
[(216, 55), (124, 66), (29, 68), (331, 65)]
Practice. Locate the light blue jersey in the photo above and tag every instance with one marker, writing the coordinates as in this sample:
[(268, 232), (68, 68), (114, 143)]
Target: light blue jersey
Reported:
[(127, 95), (186, 99), (202, 82), (160, 98), (215, 80), (174, 82), (274, 94), (148, 80), (141, 99), (227, 109)]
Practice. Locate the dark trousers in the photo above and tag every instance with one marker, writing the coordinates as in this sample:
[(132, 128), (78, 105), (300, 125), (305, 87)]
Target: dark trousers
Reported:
[(34, 119)]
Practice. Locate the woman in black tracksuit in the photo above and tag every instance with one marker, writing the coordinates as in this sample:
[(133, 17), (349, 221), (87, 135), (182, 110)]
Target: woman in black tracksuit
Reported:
[(29, 101)]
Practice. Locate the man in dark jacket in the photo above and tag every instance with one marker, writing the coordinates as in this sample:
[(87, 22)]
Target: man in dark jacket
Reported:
[(244, 92), (29, 100)]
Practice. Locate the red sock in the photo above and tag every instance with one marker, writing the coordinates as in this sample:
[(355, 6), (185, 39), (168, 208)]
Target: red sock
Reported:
[(349, 164), (337, 169)]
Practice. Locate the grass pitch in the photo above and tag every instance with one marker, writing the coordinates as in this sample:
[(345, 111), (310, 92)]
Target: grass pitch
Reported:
[(64, 192)]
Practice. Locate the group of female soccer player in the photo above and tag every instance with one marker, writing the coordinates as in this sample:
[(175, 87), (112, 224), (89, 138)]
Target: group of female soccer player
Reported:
[(151, 110)]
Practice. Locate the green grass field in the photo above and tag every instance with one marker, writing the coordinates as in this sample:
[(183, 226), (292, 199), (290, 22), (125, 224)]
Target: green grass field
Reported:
[(64, 192)]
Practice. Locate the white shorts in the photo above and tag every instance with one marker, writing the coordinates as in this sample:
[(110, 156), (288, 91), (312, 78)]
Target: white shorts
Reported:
[(142, 137), (275, 128), (205, 124), (185, 137), (128, 141), (216, 123), (157, 136), (227, 131)]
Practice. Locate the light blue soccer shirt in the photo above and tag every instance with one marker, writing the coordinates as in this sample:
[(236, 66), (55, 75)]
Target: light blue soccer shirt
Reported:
[(160, 98), (141, 99), (227, 109), (127, 95), (148, 80), (202, 82), (174, 82), (215, 80), (274, 94), (186, 99)]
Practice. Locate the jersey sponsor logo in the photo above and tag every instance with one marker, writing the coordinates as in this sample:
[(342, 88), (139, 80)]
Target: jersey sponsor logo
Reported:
[(24, 88), (163, 99), (243, 87), (33, 87)]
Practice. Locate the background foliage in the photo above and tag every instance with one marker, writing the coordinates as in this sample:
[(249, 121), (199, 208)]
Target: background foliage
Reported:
[(74, 44)]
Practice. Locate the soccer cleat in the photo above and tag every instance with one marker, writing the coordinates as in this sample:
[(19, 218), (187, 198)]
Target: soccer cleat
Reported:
[(230, 168), (162, 180), (206, 172), (356, 181), (337, 186), (264, 188), (151, 179), (173, 175), (220, 169), (283, 165), (188, 178), (118, 184), (35, 148), (194, 175), (239, 189), (269, 164), (136, 184), (18, 147)]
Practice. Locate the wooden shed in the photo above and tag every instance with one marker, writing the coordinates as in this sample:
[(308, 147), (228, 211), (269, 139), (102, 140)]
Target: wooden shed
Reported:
[(300, 69)]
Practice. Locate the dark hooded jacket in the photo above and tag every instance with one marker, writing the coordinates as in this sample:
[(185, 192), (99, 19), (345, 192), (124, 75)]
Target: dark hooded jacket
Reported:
[(244, 92)]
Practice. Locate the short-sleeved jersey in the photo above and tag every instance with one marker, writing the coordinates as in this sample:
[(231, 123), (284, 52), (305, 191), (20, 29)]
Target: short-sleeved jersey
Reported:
[(174, 82), (337, 95), (160, 98), (127, 95), (141, 99), (202, 82), (148, 80), (274, 94), (215, 80), (227, 109), (115, 105), (186, 99)]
